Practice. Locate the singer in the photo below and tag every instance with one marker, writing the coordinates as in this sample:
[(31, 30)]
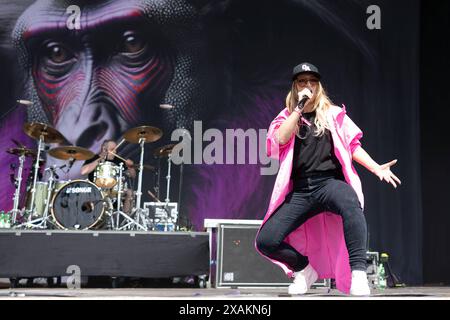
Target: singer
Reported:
[(90, 166), (315, 227)]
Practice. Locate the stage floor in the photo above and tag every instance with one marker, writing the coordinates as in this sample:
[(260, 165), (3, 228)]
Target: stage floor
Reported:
[(220, 294)]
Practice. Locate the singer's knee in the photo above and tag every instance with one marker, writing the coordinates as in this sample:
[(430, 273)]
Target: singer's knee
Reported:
[(266, 244)]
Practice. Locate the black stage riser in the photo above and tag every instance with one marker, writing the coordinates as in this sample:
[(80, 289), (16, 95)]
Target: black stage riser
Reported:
[(103, 253)]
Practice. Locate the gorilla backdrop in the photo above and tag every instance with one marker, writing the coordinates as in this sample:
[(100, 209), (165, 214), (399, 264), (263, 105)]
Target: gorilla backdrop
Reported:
[(94, 73)]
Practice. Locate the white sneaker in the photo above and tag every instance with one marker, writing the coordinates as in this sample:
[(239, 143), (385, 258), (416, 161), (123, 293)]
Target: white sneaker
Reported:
[(303, 280), (360, 284)]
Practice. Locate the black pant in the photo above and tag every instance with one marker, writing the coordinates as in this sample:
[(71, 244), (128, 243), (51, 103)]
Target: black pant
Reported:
[(310, 197)]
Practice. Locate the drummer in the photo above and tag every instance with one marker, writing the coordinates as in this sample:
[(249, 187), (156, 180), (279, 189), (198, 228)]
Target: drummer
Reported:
[(90, 165)]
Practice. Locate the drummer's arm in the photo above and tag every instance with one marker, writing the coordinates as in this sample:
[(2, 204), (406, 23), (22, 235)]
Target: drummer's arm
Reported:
[(88, 168), (131, 169)]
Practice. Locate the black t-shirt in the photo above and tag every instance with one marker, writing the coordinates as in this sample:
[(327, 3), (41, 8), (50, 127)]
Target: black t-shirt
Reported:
[(116, 161), (313, 154)]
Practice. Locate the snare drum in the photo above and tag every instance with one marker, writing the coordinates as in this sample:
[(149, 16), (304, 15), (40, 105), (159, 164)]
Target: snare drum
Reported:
[(105, 175)]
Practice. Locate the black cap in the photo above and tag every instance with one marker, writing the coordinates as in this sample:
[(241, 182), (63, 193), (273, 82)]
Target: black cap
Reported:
[(305, 67)]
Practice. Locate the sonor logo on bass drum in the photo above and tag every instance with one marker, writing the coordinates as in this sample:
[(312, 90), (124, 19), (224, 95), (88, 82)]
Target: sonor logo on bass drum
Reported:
[(79, 190)]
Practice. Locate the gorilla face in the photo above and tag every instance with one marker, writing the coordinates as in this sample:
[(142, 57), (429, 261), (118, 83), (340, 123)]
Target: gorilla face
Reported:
[(90, 86), (127, 58)]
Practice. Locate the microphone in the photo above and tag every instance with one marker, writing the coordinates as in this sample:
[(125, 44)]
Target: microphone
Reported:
[(302, 102), (24, 102)]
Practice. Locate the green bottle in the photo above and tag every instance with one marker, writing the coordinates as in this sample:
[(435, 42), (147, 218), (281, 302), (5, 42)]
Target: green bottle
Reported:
[(7, 220), (2, 219), (381, 274)]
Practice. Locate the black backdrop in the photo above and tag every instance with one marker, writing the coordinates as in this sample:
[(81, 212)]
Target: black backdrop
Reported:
[(434, 110)]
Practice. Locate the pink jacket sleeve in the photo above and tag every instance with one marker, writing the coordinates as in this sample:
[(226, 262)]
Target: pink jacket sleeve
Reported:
[(353, 134), (273, 148)]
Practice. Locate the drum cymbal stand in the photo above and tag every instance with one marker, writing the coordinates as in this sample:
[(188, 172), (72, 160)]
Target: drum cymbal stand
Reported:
[(119, 212), (138, 211), (32, 210), (18, 184), (168, 216)]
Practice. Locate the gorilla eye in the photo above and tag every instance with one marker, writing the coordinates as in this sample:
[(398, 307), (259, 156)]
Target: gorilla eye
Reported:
[(131, 42), (58, 53)]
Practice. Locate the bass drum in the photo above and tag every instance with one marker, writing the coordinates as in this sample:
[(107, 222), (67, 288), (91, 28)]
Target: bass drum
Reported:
[(78, 205)]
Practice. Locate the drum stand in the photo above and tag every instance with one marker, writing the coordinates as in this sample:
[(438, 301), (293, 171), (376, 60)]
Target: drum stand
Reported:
[(18, 183), (32, 210), (167, 219), (45, 216), (119, 212), (138, 210)]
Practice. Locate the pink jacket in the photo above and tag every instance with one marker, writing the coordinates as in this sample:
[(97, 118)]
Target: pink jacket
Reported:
[(321, 238)]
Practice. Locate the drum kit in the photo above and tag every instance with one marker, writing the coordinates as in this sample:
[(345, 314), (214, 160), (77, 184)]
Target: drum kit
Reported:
[(82, 204)]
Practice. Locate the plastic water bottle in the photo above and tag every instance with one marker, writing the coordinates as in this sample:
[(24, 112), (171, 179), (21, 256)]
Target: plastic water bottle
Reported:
[(2, 219), (381, 276), (7, 220)]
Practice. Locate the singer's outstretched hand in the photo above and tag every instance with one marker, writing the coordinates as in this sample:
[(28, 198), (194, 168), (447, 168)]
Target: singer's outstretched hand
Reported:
[(384, 173)]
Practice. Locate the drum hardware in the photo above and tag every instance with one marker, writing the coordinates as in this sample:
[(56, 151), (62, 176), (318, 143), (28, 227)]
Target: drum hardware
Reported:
[(71, 153), (18, 184), (45, 215), (118, 213), (43, 195), (76, 206), (166, 151), (22, 152), (169, 165), (141, 135), (160, 153), (105, 175), (44, 134)]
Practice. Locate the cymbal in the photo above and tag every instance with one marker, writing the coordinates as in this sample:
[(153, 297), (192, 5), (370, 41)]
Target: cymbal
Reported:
[(150, 134), (164, 151), (22, 151), (71, 152), (36, 129)]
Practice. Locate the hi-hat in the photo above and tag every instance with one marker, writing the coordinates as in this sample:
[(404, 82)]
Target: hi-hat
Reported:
[(49, 135), (164, 151), (22, 152), (149, 134), (71, 152)]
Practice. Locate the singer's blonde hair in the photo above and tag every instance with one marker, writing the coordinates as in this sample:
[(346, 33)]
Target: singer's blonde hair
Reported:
[(321, 103)]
